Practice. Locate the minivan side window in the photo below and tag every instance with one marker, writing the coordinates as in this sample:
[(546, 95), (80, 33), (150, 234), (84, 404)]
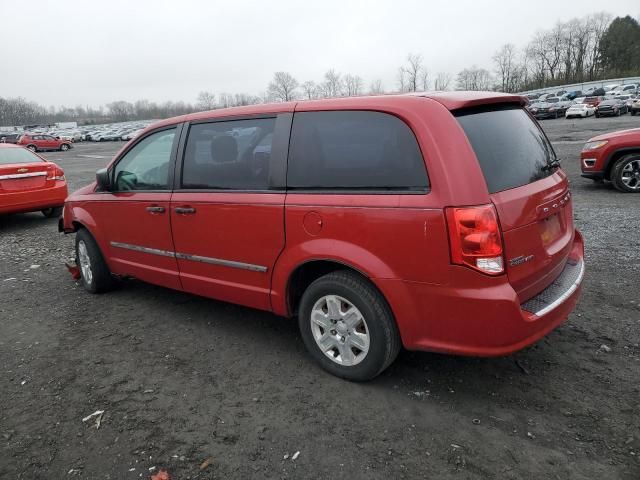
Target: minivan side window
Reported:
[(146, 165), (229, 155), (354, 150)]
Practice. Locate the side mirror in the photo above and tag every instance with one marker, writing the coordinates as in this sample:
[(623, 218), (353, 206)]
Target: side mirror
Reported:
[(103, 179)]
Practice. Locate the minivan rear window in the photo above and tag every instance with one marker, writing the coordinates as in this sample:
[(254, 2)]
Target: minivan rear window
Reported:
[(512, 149)]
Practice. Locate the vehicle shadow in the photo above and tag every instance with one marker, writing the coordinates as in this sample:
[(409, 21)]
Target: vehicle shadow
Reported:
[(22, 221), (263, 333)]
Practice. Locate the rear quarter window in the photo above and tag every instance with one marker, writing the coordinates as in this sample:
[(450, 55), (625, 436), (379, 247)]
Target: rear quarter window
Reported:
[(354, 150), (511, 148)]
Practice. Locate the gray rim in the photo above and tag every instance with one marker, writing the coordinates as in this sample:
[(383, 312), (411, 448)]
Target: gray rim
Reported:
[(630, 175), (340, 330), (64, 147), (85, 262)]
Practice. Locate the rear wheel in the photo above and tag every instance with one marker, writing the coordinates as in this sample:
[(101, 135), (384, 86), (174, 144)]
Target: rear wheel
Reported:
[(53, 212), (94, 272), (625, 174), (347, 326)]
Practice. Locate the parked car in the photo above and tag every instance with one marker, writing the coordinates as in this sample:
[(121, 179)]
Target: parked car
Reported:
[(384, 247), (552, 107), (30, 183), (635, 106), (595, 101), (609, 108), (10, 137), (39, 143), (580, 110), (629, 88), (572, 95), (614, 157)]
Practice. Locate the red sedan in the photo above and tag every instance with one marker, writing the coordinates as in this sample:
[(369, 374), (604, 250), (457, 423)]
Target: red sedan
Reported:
[(29, 183)]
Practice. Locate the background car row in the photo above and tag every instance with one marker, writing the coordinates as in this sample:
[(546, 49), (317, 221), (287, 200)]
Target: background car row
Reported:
[(95, 133), (585, 106)]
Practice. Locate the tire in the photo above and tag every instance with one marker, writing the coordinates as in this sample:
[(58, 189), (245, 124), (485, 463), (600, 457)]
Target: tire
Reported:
[(633, 113), (376, 325), (64, 147), (632, 162), (33, 148), (597, 115), (53, 212), (97, 279)]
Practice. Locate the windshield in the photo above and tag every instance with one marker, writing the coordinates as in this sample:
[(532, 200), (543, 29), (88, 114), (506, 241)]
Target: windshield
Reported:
[(17, 155), (511, 148)]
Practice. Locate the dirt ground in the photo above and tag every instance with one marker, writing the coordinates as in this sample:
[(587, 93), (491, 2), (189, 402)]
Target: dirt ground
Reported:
[(182, 379)]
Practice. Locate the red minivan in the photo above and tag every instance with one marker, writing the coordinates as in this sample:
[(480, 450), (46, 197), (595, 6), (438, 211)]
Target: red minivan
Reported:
[(438, 222)]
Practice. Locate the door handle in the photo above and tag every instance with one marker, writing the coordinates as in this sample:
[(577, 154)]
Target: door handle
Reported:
[(185, 210), (155, 209)]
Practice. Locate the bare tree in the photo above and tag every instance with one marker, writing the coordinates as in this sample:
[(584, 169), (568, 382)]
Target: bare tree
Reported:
[(443, 81), (376, 87), (283, 87), (309, 90), (506, 67), (474, 78), (206, 101), (333, 85), (352, 85), (599, 23), (413, 76)]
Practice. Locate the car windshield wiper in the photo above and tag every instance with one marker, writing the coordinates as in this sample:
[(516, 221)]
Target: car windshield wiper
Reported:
[(555, 163)]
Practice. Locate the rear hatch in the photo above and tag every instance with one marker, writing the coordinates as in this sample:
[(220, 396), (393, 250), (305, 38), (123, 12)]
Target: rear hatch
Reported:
[(21, 170), (530, 193)]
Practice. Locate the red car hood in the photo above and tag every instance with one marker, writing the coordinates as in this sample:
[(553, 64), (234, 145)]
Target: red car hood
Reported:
[(631, 133)]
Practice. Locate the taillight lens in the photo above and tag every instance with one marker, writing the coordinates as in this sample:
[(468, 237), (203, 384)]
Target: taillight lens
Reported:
[(56, 174), (476, 241)]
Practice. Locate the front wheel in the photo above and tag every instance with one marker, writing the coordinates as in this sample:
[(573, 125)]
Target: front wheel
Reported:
[(53, 212), (64, 147), (33, 148), (94, 272), (625, 174), (347, 326)]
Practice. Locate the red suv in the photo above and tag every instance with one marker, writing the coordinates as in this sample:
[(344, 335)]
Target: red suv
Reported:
[(41, 142), (614, 156), (437, 222)]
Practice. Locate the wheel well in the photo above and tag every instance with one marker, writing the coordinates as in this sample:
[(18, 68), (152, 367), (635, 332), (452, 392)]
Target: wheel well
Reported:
[(615, 157), (77, 225), (305, 274)]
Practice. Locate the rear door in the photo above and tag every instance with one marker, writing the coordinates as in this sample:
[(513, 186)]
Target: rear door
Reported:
[(531, 195), (227, 209)]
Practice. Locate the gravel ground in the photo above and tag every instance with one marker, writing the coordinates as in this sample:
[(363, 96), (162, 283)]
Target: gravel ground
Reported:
[(182, 379)]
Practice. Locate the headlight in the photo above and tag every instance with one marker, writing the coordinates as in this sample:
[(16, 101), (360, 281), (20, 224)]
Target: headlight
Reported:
[(594, 145)]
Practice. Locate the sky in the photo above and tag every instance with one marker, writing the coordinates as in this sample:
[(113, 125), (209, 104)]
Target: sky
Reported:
[(89, 52)]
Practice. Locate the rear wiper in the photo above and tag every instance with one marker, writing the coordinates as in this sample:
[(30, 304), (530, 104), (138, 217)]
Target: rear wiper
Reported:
[(555, 163)]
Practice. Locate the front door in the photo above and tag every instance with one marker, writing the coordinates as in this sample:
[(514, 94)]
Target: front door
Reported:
[(227, 210), (133, 218)]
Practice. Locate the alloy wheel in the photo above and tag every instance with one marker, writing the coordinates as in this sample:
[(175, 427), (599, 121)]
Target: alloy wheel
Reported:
[(340, 330)]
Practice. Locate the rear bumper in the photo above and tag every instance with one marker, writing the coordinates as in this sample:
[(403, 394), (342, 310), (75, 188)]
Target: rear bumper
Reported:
[(17, 202), (482, 319)]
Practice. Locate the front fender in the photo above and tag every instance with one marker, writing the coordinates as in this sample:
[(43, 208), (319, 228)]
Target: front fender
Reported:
[(350, 255)]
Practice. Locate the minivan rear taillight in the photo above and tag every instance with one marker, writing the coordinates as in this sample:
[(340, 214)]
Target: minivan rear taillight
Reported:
[(475, 238)]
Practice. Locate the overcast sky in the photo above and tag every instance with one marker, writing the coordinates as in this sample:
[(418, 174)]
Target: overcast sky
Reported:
[(78, 52)]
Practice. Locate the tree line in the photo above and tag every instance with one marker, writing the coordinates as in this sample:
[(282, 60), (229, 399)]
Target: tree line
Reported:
[(590, 48)]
